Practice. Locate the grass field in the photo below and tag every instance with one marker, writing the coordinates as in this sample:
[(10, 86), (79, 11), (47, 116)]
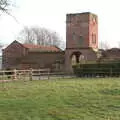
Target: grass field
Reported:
[(63, 99)]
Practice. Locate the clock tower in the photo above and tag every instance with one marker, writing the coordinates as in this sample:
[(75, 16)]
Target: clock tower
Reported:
[(81, 37)]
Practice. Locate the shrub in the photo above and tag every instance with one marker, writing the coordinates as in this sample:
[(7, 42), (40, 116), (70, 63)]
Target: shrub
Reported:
[(106, 68)]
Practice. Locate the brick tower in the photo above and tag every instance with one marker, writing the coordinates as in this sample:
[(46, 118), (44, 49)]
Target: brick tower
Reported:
[(81, 37)]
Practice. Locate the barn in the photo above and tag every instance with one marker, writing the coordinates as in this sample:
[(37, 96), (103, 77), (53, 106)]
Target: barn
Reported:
[(25, 56)]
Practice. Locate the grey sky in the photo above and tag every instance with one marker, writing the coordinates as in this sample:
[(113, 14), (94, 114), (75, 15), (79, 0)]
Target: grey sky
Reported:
[(52, 14)]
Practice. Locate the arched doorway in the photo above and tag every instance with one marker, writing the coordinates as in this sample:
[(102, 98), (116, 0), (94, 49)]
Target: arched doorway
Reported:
[(76, 57)]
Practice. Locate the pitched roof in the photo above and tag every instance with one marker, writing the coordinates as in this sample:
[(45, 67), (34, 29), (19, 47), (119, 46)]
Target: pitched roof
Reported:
[(113, 53), (42, 47)]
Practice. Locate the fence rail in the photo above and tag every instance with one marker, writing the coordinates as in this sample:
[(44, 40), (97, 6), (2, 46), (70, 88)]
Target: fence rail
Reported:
[(31, 74), (40, 74)]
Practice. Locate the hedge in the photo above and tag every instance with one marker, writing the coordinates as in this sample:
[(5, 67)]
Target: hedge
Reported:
[(110, 69)]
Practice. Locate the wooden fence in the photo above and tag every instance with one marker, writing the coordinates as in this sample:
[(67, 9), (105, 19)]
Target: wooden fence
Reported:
[(31, 74), (40, 74)]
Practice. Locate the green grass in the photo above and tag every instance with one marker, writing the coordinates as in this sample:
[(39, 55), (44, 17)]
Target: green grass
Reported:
[(63, 99)]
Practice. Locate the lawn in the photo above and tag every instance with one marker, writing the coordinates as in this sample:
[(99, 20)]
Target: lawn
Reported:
[(62, 99)]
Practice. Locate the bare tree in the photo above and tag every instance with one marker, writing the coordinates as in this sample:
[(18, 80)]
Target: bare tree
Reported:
[(4, 5), (26, 36), (104, 45), (41, 36)]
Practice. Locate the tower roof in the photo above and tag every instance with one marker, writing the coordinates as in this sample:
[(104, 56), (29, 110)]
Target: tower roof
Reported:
[(87, 13)]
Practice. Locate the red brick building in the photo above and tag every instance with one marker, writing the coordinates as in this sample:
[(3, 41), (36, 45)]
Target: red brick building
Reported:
[(25, 56), (81, 38), (112, 54), (81, 45)]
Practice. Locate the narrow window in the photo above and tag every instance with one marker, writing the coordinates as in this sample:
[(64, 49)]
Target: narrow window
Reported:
[(74, 36), (80, 39), (94, 38)]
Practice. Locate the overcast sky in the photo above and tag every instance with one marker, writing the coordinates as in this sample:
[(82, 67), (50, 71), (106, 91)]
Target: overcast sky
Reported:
[(52, 14)]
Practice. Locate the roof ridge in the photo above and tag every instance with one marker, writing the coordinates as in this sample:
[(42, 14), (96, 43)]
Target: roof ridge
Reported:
[(43, 47)]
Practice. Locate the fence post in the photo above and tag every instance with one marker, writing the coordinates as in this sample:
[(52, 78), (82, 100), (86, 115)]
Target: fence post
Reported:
[(48, 74), (14, 74), (30, 74), (39, 75), (63, 75), (111, 72), (3, 77), (2, 81)]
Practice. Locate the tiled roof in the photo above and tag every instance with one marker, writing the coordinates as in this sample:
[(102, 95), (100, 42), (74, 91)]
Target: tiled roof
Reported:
[(113, 53), (42, 48)]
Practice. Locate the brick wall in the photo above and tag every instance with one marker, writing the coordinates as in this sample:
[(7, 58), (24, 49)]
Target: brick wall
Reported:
[(81, 28), (81, 37), (19, 57), (12, 54), (93, 31), (43, 60), (89, 55)]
